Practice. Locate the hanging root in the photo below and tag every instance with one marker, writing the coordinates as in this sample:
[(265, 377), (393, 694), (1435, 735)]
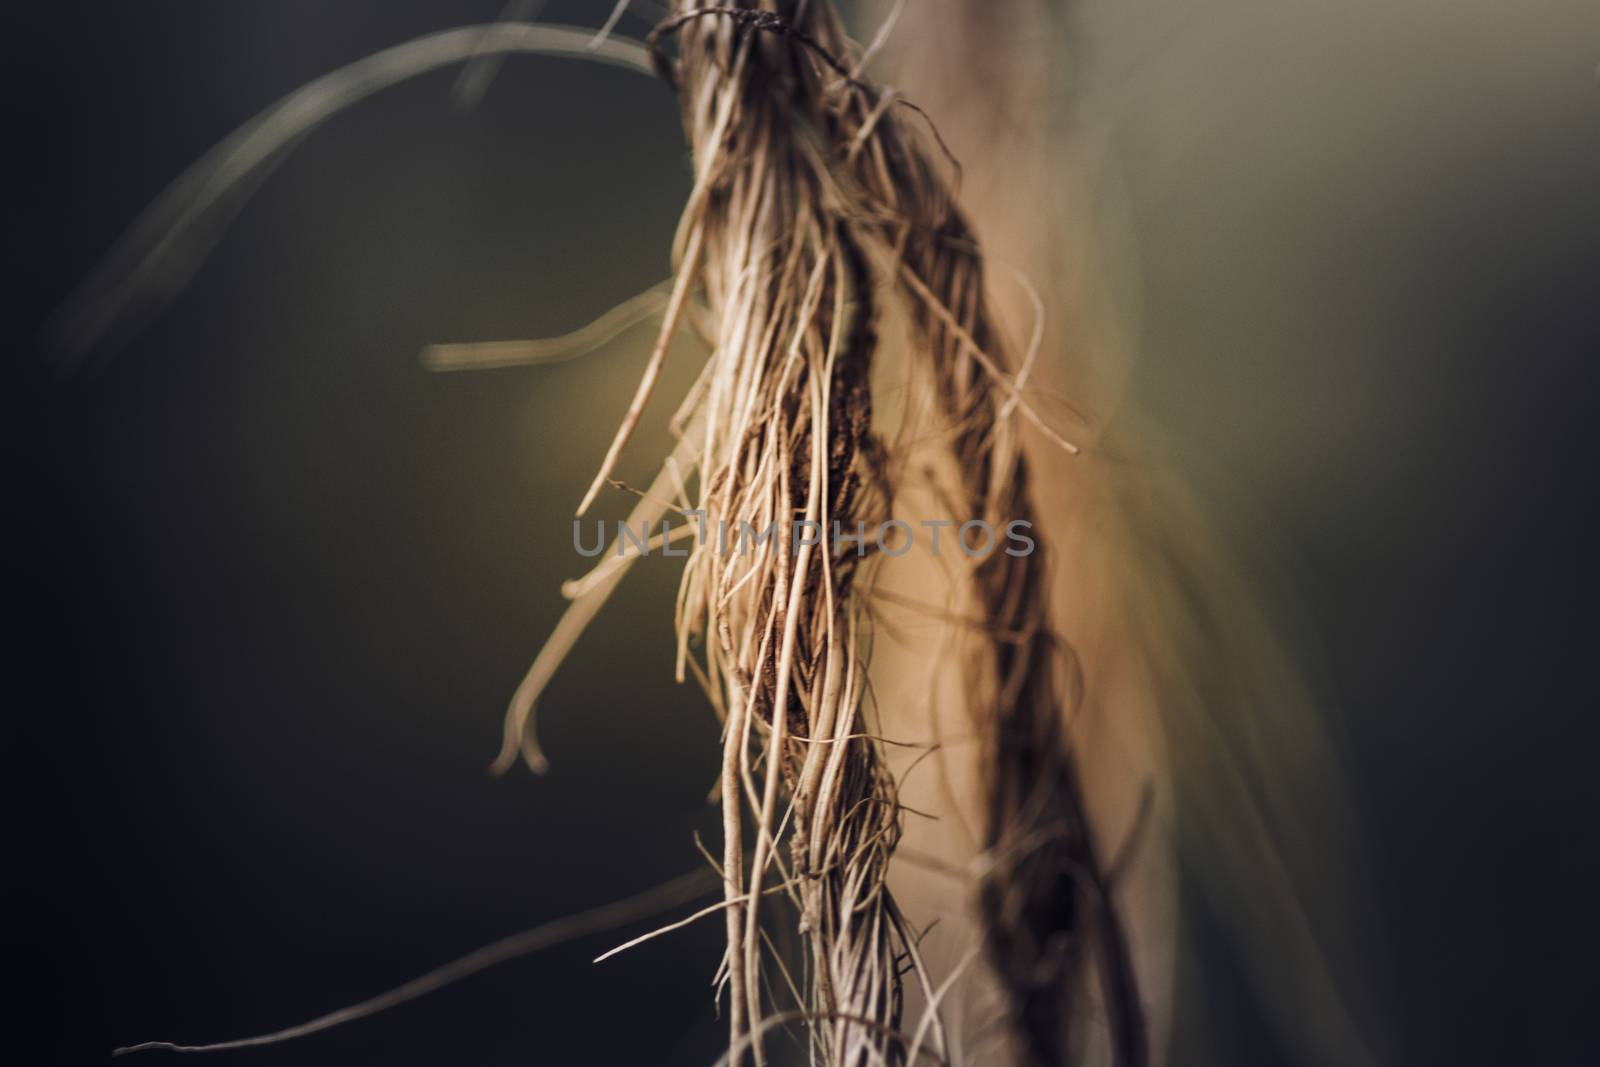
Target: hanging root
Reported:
[(812, 209)]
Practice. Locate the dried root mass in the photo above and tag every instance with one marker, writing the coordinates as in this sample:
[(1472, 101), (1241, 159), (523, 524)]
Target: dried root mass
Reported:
[(815, 211)]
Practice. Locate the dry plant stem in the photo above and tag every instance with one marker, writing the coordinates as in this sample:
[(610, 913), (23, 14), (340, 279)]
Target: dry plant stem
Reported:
[(647, 384), (519, 734), (158, 254), (479, 71), (606, 917), (488, 355)]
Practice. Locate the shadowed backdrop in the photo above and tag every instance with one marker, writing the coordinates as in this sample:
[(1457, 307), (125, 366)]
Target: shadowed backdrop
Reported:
[(275, 581)]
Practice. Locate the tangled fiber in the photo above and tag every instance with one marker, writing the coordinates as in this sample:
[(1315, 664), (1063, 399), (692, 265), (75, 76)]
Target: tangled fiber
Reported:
[(814, 204)]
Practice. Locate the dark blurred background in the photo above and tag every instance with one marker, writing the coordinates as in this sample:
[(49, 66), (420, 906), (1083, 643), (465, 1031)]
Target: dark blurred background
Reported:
[(274, 582)]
